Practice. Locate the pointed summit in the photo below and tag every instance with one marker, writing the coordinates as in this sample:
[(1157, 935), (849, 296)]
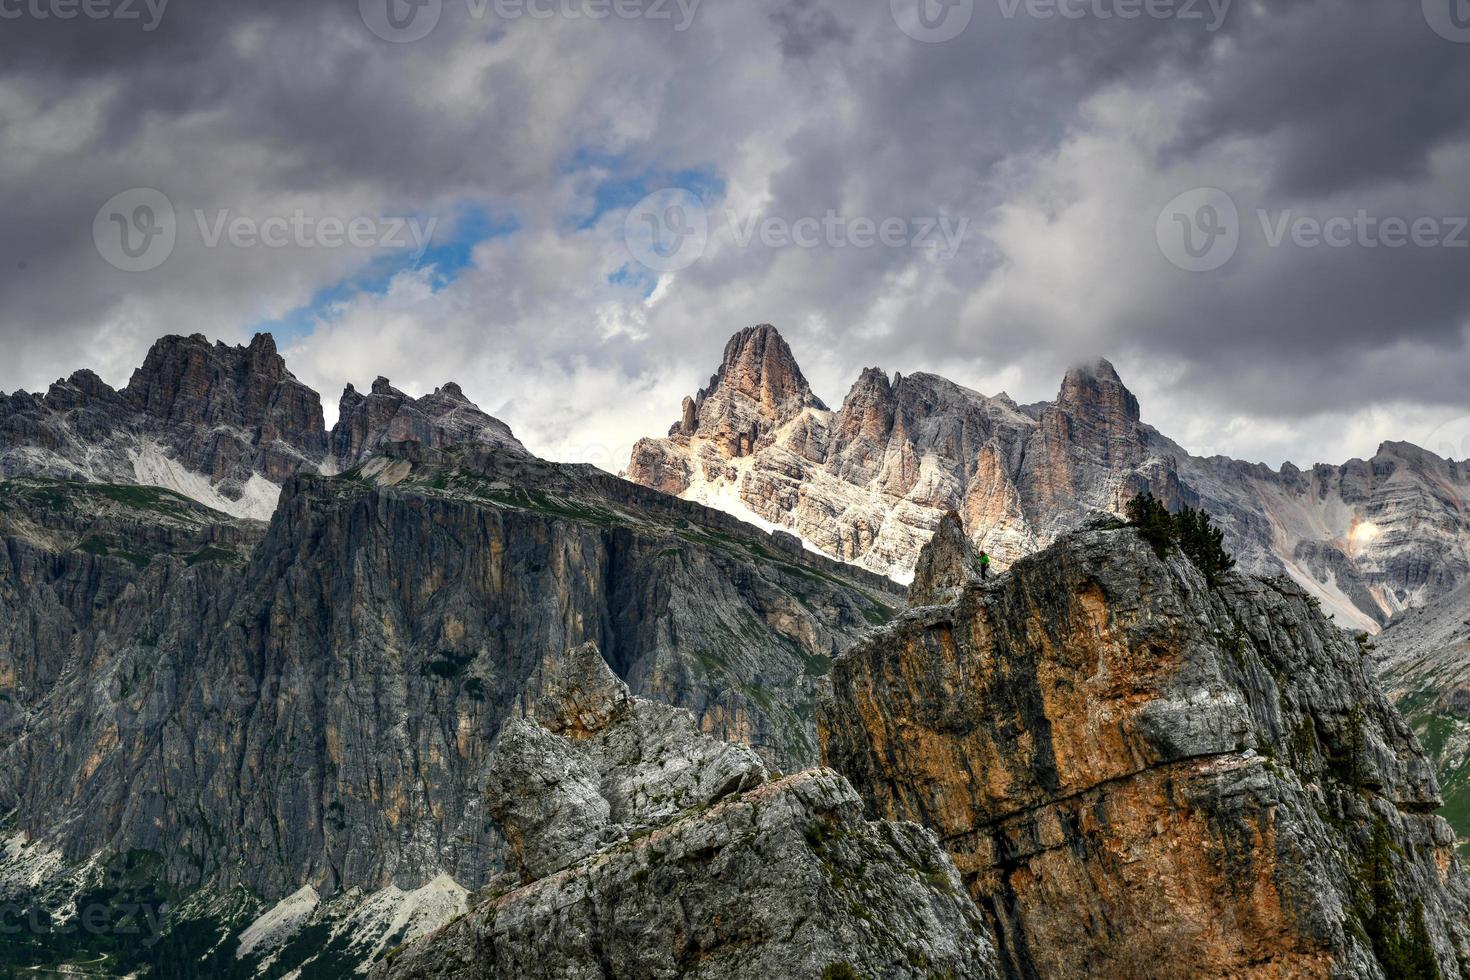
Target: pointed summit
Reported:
[(759, 364), (948, 562), (1095, 388), (758, 388)]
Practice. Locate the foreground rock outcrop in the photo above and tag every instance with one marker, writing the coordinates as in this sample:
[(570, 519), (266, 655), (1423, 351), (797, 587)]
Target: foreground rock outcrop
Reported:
[(678, 858), (869, 482), (591, 764), (1141, 776)]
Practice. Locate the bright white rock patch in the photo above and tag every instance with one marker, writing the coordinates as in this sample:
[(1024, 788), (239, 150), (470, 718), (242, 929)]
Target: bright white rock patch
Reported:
[(270, 932)]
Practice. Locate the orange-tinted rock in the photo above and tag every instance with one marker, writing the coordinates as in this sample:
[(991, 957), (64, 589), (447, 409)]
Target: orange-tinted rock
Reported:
[(1140, 776)]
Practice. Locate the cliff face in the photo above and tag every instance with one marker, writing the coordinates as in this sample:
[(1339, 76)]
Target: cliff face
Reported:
[(311, 705), (869, 482), (1424, 664), (1131, 769), (645, 850)]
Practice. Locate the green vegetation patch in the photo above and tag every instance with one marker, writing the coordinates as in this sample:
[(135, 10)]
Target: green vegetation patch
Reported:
[(107, 547), (1190, 530)]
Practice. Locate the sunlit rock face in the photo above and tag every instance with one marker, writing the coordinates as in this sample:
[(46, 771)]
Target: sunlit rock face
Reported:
[(869, 482), (1131, 768)]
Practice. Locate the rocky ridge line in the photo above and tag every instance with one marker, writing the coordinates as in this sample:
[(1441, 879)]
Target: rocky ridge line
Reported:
[(869, 482)]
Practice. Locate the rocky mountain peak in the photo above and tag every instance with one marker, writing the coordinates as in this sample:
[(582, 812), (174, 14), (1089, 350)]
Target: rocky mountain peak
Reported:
[(81, 388), (869, 483), (188, 380), (872, 384), (575, 693), (946, 564), (868, 410), (1096, 388), (438, 420), (759, 364), (758, 388), (263, 346)]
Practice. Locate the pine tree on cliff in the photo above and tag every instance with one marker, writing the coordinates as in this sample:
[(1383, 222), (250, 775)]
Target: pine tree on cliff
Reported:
[(1190, 530), (1153, 521), (1204, 543)]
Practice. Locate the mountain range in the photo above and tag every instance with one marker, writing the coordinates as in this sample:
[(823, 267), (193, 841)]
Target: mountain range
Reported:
[(223, 425), (869, 481), (279, 701)]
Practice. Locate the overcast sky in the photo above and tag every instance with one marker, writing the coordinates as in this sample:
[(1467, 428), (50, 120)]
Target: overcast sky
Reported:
[(1058, 152)]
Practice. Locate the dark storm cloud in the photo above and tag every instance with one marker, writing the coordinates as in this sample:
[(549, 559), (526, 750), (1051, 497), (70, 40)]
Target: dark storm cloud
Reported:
[(1349, 94), (1057, 139), (806, 25)]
